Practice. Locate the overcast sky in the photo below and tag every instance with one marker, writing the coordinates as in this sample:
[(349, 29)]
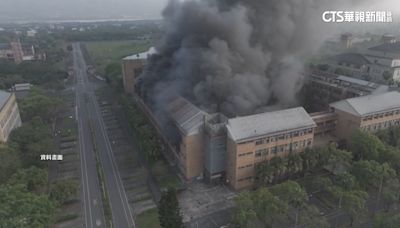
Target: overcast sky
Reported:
[(38, 10), (23, 10)]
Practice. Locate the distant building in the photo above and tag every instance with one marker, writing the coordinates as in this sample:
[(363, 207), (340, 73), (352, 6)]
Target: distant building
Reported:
[(389, 39), (385, 59), (132, 67), (31, 33), (328, 87), (21, 90), (346, 40), (353, 64), (9, 115), (369, 113), (258, 138)]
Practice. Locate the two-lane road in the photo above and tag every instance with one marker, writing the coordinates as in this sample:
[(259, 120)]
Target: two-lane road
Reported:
[(122, 215)]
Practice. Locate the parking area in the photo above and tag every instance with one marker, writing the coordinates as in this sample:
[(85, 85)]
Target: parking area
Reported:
[(206, 205), (65, 132), (133, 175)]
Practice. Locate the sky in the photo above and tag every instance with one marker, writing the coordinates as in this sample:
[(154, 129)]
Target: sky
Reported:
[(42, 10), (39, 10)]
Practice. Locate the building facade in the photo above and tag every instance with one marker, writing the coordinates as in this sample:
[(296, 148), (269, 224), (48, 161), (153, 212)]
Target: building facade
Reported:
[(258, 138), (132, 68), (369, 113), (9, 115)]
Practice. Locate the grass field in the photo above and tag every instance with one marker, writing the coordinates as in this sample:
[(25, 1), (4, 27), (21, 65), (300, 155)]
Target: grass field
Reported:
[(106, 52), (148, 219)]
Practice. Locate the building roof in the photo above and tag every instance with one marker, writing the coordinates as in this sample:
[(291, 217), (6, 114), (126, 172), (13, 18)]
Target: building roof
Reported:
[(22, 86), (367, 105), (143, 55), (187, 116), (387, 47), (352, 58), (251, 127), (3, 98)]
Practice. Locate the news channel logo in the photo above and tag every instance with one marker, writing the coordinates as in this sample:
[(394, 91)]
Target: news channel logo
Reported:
[(357, 16)]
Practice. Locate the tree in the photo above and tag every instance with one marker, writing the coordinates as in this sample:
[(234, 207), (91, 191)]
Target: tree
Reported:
[(245, 214), (346, 181), (293, 194), (353, 203), (31, 140), (168, 210), (268, 207), (294, 164), (391, 193), (372, 174), (34, 178), (9, 163), (336, 157), (365, 146), (62, 191), (21, 208), (37, 104), (383, 220), (310, 216)]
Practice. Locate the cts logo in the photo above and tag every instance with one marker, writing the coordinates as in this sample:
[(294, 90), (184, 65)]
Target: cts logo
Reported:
[(333, 16)]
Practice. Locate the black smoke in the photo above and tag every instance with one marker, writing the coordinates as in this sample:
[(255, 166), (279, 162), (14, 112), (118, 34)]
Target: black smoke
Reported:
[(235, 57)]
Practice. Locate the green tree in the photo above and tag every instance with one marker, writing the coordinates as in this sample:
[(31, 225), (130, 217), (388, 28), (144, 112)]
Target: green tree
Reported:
[(34, 178), (21, 208), (245, 214), (383, 220), (365, 146), (31, 140), (37, 104), (293, 194), (9, 164), (168, 210), (62, 191), (353, 203), (268, 207)]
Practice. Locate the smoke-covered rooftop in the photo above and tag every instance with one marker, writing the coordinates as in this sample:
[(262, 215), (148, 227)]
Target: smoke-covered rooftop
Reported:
[(235, 57)]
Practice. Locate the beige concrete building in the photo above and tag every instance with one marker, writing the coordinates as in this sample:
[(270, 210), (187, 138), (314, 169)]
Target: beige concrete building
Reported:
[(189, 121), (370, 113), (9, 115), (258, 138), (132, 67)]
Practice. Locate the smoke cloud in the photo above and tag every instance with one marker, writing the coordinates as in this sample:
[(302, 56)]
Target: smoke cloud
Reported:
[(235, 57)]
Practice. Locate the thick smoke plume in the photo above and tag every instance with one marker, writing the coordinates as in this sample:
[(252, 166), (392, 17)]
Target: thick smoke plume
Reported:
[(235, 57)]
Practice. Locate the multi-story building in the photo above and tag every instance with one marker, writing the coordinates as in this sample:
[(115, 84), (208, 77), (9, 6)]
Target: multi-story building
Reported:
[(258, 138), (369, 113), (132, 67), (188, 151), (326, 88), (9, 115)]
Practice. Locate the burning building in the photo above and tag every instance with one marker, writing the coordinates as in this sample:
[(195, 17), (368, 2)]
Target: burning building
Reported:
[(219, 68)]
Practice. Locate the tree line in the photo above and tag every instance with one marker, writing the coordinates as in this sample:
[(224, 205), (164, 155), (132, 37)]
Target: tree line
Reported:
[(27, 199), (361, 176)]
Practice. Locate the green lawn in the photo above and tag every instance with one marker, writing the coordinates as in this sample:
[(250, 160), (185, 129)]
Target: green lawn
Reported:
[(148, 219), (106, 52)]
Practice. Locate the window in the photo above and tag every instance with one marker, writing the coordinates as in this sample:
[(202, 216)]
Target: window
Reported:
[(296, 134), (274, 150), (259, 142), (281, 137), (262, 152), (245, 154)]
